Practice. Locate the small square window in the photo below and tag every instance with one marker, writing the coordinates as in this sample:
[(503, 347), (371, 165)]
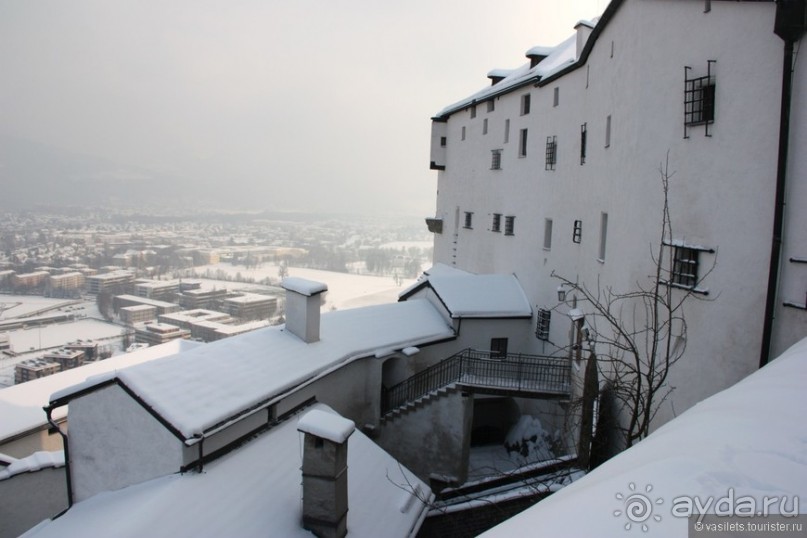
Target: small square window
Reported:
[(525, 104), (551, 152), (577, 231), (509, 225), (443, 141), (496, 159), (496, 225), (469, 218)]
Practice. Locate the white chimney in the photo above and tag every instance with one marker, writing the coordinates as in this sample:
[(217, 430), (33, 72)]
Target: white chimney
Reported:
[(302, 307), (325, 502), (584, 29)]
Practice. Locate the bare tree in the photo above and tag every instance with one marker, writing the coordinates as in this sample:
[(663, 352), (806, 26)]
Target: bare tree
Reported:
[(640, 334)]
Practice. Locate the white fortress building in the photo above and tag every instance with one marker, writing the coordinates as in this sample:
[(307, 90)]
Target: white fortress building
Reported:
[(554, 169)]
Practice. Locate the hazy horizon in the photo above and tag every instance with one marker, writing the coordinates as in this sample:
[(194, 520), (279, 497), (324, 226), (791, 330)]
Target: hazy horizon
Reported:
[(309, 105)]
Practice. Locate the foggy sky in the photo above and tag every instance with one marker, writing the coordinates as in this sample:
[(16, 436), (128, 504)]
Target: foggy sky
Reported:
[(299, 104)]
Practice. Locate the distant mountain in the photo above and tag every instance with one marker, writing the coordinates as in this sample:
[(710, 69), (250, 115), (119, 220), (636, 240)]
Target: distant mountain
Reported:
[(33, 174)]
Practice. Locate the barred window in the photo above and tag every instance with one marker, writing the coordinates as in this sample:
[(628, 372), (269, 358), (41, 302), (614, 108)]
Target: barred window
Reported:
[(496, 225), (542, 326), (509, 225), (551, 152), (685, 266), (496, 159), (577, 231), (469, 219)]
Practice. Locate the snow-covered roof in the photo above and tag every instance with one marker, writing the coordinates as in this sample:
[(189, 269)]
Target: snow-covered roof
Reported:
[(21, 405), (556, 60), (34, 462), (466, 295), (205, 387), (746, 441), (252, 491)]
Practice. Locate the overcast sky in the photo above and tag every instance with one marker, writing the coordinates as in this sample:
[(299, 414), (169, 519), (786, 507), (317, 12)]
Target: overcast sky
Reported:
[(320, 104)]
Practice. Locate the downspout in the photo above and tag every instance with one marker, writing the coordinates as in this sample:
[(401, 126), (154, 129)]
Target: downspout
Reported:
[(790, 30), (48, 411)]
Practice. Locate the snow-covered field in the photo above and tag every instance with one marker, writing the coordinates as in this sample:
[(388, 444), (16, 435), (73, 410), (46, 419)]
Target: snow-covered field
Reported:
[(345, 290), (18, 306)]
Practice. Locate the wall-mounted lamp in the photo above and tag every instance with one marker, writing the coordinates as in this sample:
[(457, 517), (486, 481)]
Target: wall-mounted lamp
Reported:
[(562, 291)]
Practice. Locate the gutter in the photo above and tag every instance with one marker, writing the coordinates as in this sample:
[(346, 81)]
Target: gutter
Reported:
[(790, 29)]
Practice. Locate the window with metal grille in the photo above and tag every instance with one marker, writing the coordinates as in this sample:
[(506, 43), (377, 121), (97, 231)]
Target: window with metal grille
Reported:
[(699, 99), (496, 159), (469, 219), (509, 225), (583, 137), (496, 225), (551, 152), (685, 267), (544, 317), (577, 231)]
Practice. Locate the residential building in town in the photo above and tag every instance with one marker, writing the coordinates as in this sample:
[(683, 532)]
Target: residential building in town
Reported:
[(116, 280), (250, 306), (555, 170), (137, 314), (34, 369), (159, 333), (72, 280), (126, 300), (161, 290)]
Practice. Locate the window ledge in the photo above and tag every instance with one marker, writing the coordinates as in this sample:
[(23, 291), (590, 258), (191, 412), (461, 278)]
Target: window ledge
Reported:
[(791, 304), (699, 291), (601, 260)]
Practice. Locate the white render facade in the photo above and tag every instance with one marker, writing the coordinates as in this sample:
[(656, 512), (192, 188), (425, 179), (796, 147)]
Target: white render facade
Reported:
[(611, 102)]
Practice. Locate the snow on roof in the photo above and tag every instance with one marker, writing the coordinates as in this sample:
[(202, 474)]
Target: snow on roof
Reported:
[(252, 491), (34, 462), (21, 405), (557, 58), (329, 426), (303, 285), (746, 441), (206, 386), (466, 295)]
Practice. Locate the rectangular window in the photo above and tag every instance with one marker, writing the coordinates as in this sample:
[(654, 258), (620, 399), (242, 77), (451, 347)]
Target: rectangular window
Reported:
[(473, 112), (608, 132), (699, 99), (603, 234), (496, 225), (543, 316), (551, 152), (525, 104), (498, 348), (509, 225), (443, 141), (556, 97), (491, 105), (485, 126), (685, 267), (548, 234), (469, 219), (496, 159), (522, 143), (506, 131), (583, 137), (577, 231), (463, 132)]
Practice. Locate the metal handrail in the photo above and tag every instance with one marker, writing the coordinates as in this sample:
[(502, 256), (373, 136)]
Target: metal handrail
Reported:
[(516, 371)]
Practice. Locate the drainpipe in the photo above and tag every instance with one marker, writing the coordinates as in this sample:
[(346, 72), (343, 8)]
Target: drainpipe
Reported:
[(790, 26), (48, 411)]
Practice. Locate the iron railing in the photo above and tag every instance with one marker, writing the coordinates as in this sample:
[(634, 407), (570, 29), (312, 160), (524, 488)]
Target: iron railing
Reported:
[(516, 372)]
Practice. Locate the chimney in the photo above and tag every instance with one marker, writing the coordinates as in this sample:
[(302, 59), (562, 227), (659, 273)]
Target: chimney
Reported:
[(325, 472), (302, 307), (584, 29)]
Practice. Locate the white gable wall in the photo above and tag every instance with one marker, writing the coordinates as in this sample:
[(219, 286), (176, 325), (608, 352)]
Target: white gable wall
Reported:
[(721, 192), (114, 442)]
